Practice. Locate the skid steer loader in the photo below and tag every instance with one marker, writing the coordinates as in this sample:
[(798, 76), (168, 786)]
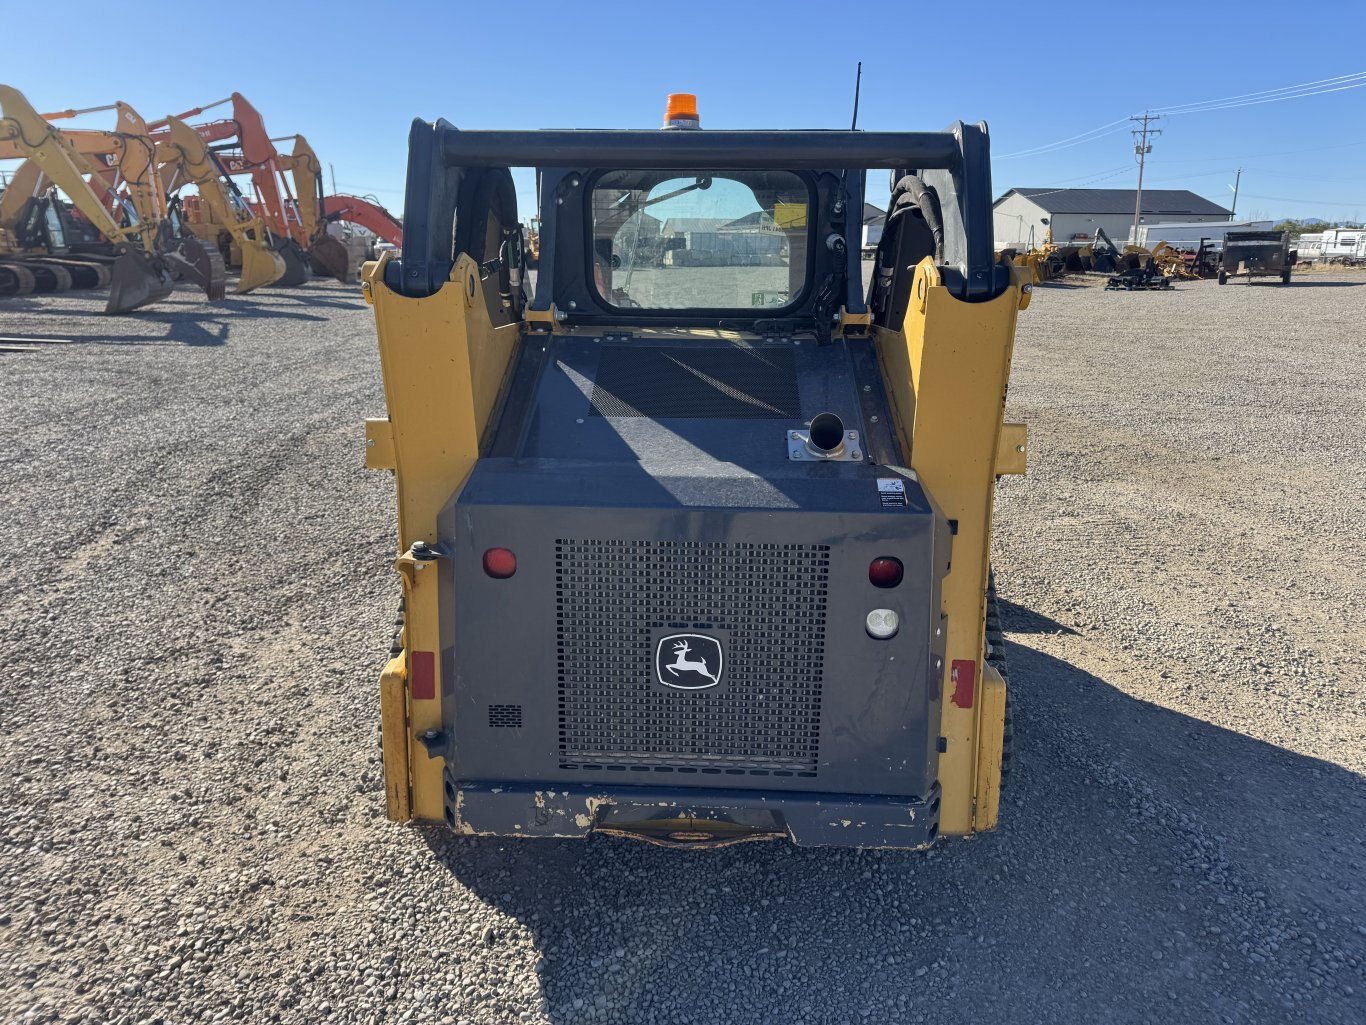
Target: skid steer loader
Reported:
[(694, 539)]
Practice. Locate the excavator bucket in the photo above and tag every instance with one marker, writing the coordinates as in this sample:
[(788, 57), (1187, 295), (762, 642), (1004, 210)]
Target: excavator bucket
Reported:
[(261, 266), (201, 265), (329, 256), (296, 264), (136, 281)]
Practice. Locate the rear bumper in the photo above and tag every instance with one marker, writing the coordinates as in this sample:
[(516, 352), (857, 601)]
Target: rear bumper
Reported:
[(693, 816)]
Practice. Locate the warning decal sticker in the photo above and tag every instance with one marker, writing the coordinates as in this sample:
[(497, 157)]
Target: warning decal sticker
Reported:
[(892, 490)]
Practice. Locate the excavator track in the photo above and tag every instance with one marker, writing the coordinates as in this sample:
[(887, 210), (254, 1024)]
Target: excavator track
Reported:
[(15, 280)]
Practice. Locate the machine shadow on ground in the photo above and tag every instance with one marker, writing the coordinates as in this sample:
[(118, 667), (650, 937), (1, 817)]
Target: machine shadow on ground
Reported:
[(1038, 894)]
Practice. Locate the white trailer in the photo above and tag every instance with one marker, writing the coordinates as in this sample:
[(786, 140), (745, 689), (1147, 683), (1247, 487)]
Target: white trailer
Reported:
[(1344, 245), (1187, 235)]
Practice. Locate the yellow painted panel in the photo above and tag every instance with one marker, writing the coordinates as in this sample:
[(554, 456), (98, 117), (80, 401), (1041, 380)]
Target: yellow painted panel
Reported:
[(1012, 449), (946, 372), (393, 717), (789, 215), (379, 445), (444, 363), (989, 746)]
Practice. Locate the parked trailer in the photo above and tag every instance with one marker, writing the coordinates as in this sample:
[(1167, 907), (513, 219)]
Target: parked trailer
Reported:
[(1189, 235), (1255, 254), (1343, 245)]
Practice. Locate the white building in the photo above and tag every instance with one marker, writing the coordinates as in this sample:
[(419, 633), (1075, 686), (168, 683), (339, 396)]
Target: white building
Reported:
[(1025, 217)]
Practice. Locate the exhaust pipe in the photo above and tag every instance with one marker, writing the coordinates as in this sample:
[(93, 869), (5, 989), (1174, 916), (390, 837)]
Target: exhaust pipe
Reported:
[(826, 440)]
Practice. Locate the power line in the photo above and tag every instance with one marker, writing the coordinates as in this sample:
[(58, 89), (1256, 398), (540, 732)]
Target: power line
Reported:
[(1339, 83), (1090, 136), (1274, 99), (1284, 92), (1307, 202)]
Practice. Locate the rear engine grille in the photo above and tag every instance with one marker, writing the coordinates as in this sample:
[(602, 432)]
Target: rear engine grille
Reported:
[(767, 600), (736, 383)]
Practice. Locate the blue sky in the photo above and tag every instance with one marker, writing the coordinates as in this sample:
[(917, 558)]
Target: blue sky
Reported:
[(351, 76)]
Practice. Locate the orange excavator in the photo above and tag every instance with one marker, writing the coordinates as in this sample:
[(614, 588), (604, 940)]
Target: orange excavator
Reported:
[(370, 216), (242, 146)]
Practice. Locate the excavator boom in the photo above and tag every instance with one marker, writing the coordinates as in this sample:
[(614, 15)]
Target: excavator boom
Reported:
[(259, 158), (196, 164), (370, 216), (139, 276)]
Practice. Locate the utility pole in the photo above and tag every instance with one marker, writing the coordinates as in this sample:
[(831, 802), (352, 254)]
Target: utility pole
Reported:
[(1238, 178), (1143, 147), (333, 172)]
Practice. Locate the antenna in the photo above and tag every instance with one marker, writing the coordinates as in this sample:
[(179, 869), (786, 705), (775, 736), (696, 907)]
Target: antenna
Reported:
[(858, 81)]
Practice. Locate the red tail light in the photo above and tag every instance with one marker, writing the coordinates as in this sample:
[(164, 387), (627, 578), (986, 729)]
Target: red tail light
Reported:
[(885, 571), (500, 563)]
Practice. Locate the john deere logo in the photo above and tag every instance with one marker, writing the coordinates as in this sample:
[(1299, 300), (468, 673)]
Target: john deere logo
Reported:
[(688, 661)]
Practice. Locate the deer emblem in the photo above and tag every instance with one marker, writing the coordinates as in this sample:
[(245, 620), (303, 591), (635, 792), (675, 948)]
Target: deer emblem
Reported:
[(681, 661), (705, 663)]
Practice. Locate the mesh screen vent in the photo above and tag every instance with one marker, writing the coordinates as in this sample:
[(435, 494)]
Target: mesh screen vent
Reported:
[(614, 597), (505, 716), (734, 383)]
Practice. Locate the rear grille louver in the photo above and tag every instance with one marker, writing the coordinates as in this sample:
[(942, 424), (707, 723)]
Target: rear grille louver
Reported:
[(768, 600)]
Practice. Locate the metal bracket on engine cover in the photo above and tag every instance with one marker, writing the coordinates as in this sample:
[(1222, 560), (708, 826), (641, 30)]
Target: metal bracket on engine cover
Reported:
[(800, 449)]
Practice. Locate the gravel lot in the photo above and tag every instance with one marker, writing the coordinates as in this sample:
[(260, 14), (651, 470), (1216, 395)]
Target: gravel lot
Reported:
[(195, 603)]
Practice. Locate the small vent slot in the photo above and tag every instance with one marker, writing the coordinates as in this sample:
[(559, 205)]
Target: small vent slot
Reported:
[(505, 716), (704, 383)]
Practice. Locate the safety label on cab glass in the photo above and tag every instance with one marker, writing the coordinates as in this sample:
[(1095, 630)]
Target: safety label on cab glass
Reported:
[(892, 490)]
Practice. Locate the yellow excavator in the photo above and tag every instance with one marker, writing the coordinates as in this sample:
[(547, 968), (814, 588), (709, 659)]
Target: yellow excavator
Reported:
[(327, 254), (139, 273), (124, 164), (186, 159), (35, 257)]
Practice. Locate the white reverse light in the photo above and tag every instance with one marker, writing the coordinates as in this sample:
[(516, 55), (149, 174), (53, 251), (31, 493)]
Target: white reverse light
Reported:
[(882, 623)]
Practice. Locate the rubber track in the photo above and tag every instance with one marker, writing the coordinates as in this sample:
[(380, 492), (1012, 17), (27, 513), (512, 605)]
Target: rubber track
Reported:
[(996, 655)]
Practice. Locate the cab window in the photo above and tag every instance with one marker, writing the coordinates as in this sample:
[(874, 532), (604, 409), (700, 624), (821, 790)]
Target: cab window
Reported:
[(725, 240)]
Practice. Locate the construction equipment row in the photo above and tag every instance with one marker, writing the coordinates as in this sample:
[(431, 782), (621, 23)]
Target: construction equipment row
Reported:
[(1247, 254), (128, 223)]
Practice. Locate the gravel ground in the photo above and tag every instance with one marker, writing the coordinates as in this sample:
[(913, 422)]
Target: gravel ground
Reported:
[(195, 603)]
